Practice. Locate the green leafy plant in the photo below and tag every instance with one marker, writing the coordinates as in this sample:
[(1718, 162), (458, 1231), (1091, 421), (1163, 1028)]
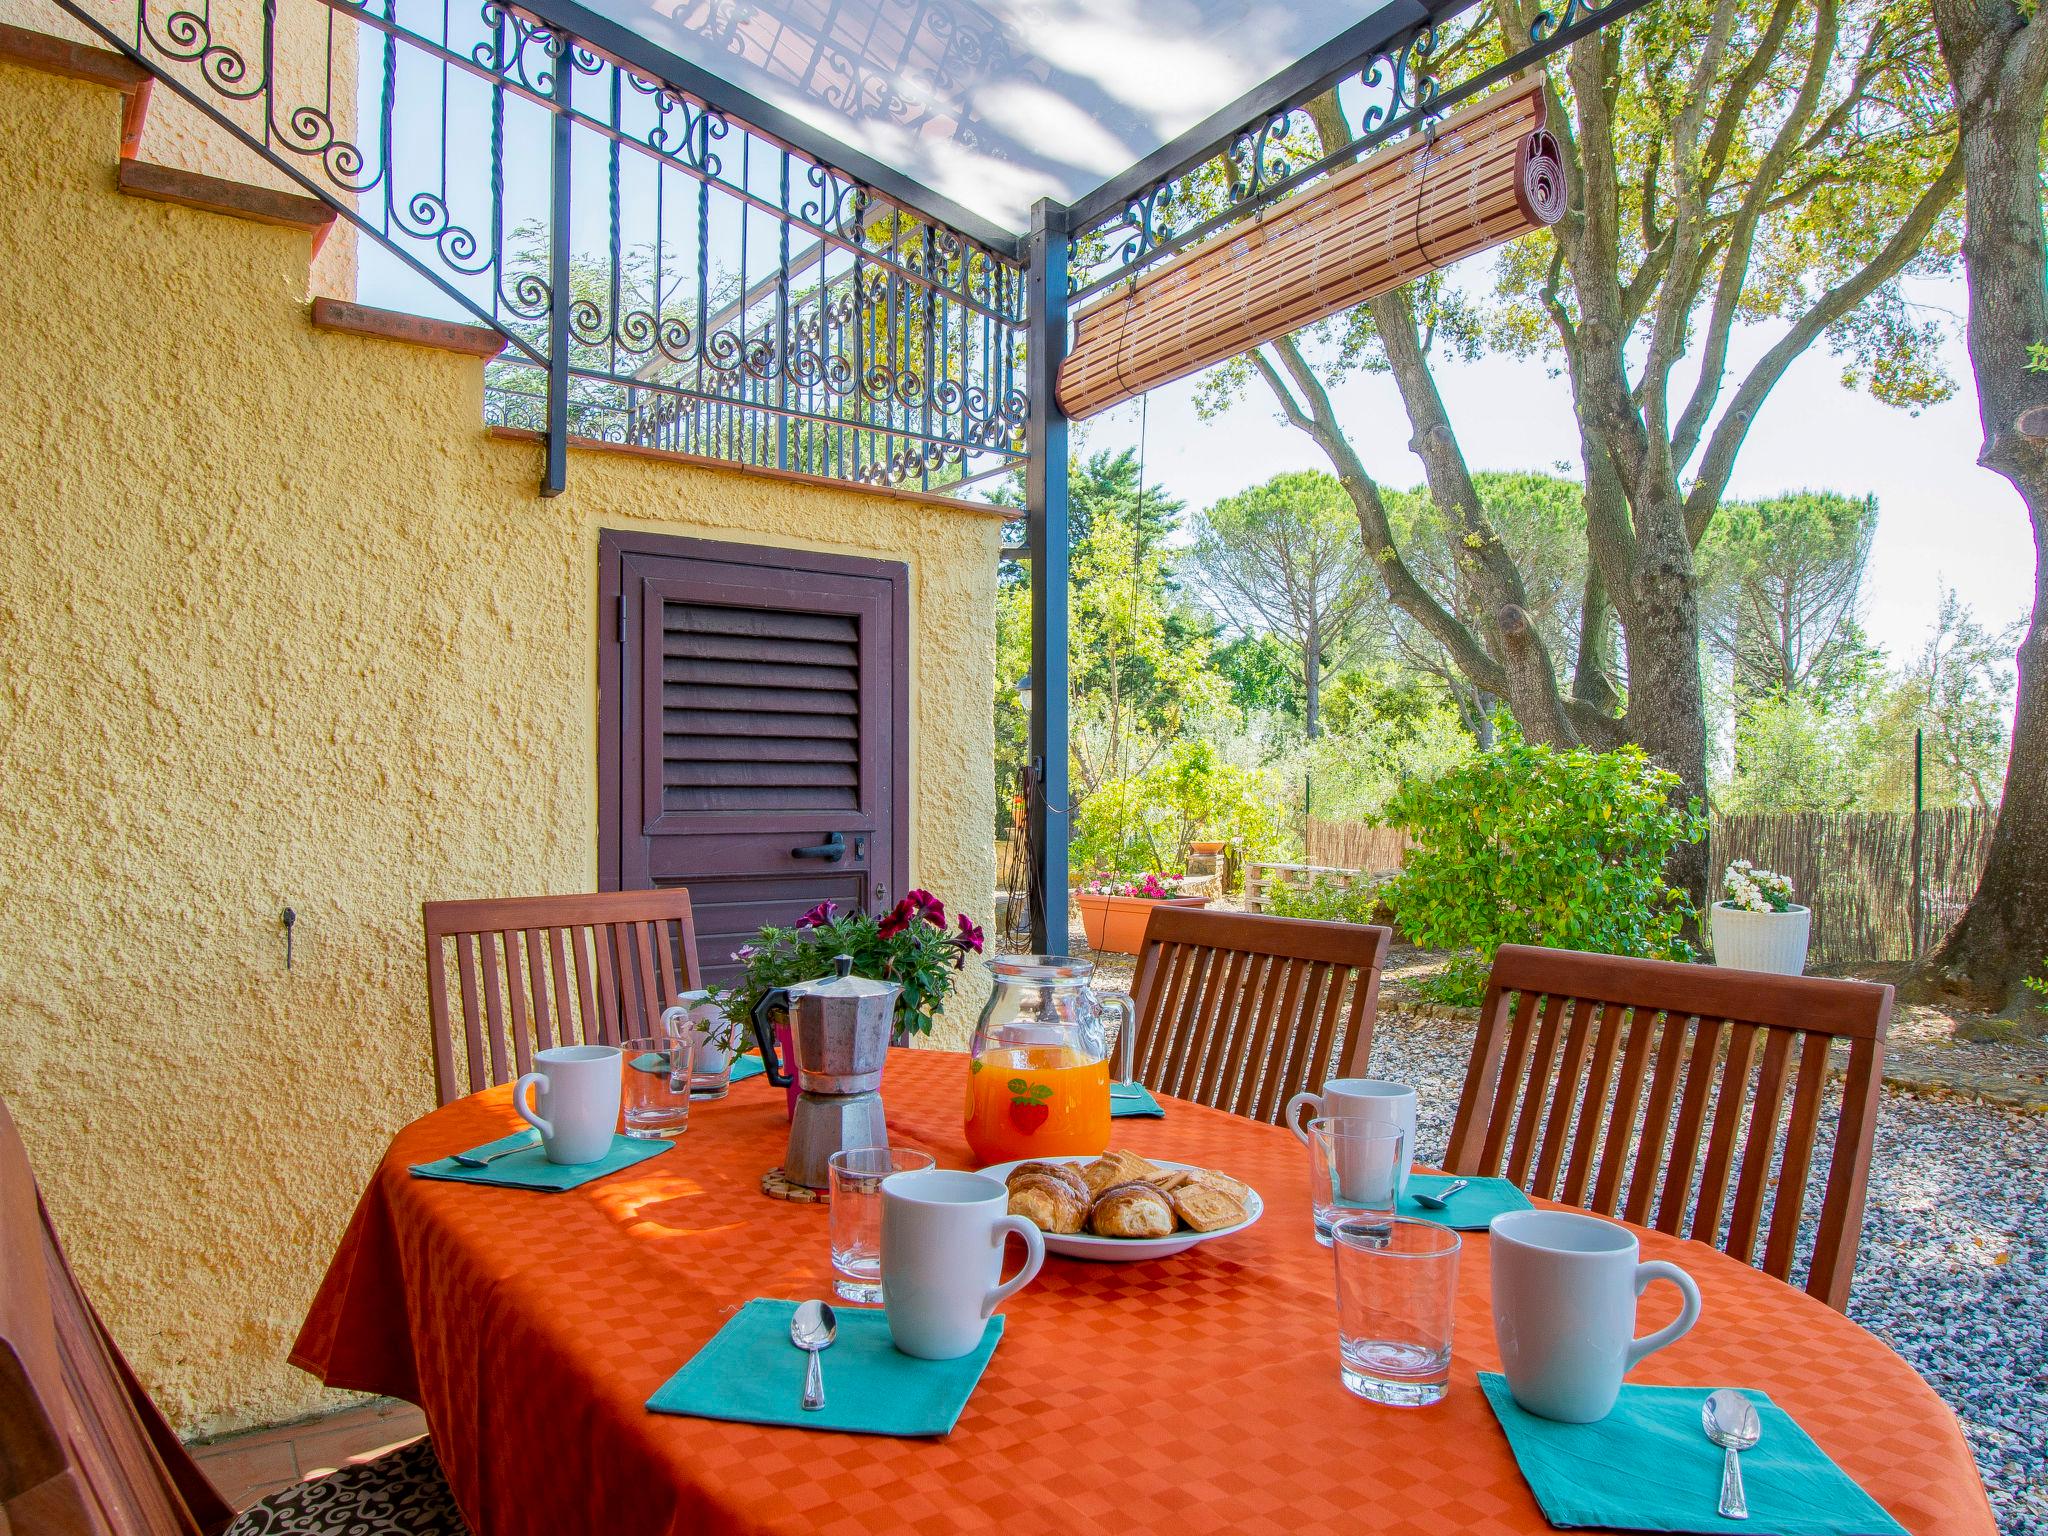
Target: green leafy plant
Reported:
[(1145, 823), (911, 946), (1526, 845), (1326, 898), (2038, 985)]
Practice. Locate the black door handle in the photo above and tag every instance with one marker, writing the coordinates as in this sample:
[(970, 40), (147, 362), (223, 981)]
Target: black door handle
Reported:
[(833, 849)]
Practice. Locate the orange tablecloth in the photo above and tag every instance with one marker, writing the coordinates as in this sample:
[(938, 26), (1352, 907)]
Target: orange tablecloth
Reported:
[(1185, 1395)]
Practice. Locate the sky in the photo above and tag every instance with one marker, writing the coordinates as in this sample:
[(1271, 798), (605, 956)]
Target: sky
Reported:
[(1941, 519)]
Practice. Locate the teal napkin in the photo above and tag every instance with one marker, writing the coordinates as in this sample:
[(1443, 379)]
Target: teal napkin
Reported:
[(747, 1066), (1471, 1207), (1647, 1467), (1133, 1099), (532, 1170), (751, 1373)]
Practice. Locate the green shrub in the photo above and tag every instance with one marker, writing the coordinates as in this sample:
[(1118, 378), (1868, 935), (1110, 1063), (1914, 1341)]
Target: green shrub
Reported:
[(1331, 900), (1146, 822), (1525, 845)]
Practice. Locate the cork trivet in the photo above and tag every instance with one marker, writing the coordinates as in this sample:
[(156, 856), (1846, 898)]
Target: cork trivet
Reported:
[(777, 1185)]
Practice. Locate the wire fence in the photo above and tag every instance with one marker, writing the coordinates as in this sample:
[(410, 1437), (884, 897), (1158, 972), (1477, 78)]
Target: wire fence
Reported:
[(1855, 869)]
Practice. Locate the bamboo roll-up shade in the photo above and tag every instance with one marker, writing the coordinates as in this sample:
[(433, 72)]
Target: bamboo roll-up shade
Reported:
[(1483, 176)]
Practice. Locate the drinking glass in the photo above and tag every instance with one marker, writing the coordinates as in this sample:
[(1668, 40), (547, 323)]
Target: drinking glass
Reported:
[(698, 1014), (1397, 1281), (856, 1177), (657, 1085), (1354, 1165)]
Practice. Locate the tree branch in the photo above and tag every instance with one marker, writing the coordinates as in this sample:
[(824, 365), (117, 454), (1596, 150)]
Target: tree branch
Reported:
[(1718, 461)]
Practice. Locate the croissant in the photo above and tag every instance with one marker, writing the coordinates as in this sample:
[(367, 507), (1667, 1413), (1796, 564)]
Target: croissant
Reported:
[(1066, 1173), (1131, 1210), (1048, 1203)]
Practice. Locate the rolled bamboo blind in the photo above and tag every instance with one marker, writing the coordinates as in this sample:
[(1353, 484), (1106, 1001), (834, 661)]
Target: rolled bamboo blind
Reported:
[(1485, 175)]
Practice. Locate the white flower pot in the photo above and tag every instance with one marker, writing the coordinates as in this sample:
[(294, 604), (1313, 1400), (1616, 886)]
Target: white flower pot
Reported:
[(1761, 941)]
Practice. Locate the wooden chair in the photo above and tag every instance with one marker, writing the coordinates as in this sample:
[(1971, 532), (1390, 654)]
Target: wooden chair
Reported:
[(1241, 1012), (84, 1452), (542, 971), (1595, 1079)]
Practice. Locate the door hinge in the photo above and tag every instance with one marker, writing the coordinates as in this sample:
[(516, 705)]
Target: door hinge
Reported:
[(619, 614)]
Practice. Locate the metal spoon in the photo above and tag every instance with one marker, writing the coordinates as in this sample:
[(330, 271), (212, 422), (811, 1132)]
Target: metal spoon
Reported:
[(1730, 1421), (1442, 1198), (812, 1329), (471, 1160)]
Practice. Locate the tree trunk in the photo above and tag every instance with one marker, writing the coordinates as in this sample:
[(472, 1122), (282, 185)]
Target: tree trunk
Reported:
[(1998, 69), (1312, 681)]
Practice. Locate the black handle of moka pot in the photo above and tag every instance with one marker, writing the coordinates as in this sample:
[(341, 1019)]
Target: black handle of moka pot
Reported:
[(764, 1034)]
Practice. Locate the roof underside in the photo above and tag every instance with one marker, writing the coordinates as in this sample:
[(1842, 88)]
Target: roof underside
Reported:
[(974, 111)]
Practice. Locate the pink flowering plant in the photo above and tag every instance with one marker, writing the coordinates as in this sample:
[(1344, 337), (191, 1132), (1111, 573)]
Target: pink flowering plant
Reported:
[(1152, 887), (910, 945)]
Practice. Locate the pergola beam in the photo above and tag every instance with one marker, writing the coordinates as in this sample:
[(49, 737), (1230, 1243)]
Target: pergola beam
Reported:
[(1045, 537)]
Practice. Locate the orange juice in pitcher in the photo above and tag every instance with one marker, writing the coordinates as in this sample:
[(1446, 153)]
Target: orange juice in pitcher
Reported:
[(1038, 1077)]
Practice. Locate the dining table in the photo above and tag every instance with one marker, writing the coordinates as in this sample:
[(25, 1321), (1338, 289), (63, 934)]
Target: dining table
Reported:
[(1189, 1394)]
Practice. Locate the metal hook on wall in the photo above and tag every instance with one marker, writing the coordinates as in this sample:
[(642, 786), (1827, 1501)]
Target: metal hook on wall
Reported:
[(288, 918)]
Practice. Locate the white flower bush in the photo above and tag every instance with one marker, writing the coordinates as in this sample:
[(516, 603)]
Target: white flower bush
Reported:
[(1750, 889)]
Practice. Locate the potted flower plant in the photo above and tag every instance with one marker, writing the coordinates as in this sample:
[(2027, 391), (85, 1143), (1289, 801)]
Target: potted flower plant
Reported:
[(1116, 908), (1757, 924), (911, 946)]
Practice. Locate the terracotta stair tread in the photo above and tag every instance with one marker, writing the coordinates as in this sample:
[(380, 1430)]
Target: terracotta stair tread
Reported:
[(217, 194), (81, 61), (330, 314)]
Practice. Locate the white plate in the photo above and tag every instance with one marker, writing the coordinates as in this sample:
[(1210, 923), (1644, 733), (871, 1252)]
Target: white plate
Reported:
[(1122, 1250)]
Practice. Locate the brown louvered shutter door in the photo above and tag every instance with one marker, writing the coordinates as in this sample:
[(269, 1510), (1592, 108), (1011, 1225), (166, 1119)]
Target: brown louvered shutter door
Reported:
[(760, 707), (753, 743)]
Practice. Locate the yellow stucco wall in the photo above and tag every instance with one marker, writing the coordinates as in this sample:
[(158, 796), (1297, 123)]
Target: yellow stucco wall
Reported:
[(316, 58), (280, 625)]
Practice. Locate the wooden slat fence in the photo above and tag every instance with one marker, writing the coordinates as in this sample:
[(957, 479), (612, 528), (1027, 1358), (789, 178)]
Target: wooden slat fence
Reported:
[(1854, 868), (1356, 845)]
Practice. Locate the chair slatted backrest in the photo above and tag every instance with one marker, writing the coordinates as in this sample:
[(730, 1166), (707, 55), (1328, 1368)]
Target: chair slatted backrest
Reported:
[(1241, 1011), (83, 1451), (1623, 1086), (534, 972)]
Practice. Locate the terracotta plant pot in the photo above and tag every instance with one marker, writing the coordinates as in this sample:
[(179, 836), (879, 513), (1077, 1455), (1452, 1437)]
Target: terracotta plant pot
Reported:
[(1207, 850), (1760, 941), (1117, 923)]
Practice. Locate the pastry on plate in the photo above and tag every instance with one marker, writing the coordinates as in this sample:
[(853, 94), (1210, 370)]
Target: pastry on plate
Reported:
[(1049, 1203), (1067, 1173), (1207, 1208), (1117, 1167), (1132, 1210)]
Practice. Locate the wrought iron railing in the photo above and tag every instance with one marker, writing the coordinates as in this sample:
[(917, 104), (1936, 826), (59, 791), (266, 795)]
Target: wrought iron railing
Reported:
[(665, 275), (1426, 71)]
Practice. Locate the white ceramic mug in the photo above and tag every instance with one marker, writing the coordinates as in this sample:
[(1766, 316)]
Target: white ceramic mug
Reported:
[(1564, 1310), (1359, 1098), (578, 1089), (943, 1235)]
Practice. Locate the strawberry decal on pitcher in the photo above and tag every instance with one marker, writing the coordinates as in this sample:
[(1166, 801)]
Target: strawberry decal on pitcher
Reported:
[(1028, 1108)]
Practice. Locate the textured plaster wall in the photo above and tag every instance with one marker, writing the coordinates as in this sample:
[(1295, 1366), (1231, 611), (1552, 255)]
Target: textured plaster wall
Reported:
[(317, 66), (280, 625)]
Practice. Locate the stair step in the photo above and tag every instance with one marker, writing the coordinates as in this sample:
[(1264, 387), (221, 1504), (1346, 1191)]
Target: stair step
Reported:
[(237, 199), (416, 330), (79, 61)]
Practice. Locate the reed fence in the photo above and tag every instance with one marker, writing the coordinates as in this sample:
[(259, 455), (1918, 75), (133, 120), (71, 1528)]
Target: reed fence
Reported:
[(1856, 869)]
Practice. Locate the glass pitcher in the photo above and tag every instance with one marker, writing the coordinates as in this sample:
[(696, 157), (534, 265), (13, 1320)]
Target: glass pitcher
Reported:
[(1038, 1077)]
